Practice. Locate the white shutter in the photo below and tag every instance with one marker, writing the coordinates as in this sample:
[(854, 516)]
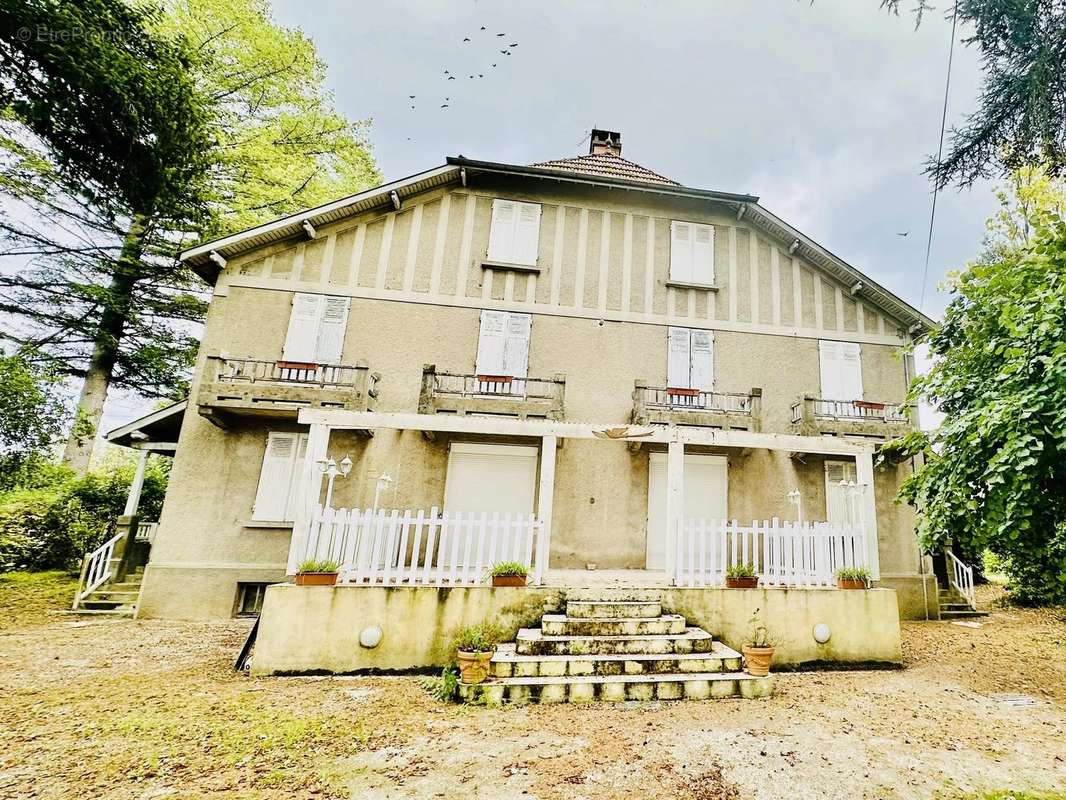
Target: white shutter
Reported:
[(491, 343), (678, 362), (502, 230), (331, 330), (702, 269), (516, 346), (829, 359), (302, 336), (680, 251), (527, 234), (850, 371), (294, 477), (271, 497), (701, 371)]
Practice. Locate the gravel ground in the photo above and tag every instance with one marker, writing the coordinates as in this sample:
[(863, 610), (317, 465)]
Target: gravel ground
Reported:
[(121, 709)]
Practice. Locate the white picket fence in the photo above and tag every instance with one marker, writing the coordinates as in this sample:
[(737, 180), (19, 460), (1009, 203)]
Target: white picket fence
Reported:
[(781, 553), (441, 548)]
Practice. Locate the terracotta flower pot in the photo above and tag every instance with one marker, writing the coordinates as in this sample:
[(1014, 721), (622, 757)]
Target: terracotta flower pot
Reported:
[(742, 582), (316, 578), (850, 583), (473, 667), (508, 580), (757, 660)]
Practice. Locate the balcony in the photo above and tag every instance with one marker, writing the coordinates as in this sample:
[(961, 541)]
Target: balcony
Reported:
[(817, 417), (249, 386), (495, 395), (654, 405)]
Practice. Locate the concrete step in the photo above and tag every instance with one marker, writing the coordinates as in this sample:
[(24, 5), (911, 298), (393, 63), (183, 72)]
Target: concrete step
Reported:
[(121, 586), (617, 688), (956, 607), (532, 641), (560, 625), (120, 594), (613, 594), (508, 663), (96, 612), (607, 609), (968, 613)]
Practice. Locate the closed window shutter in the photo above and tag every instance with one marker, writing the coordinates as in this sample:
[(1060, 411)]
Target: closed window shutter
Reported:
[(272, 495), (702, 270), (678, 362), (302, 336), (527, 234), (829, 363), (294, 476), (516, 346), (331, 330), (701, 371), (502, 230), (680, 251), (850, 371), (491, 343)]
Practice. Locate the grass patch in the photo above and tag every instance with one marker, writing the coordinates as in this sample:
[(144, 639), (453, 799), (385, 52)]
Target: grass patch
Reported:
[(27, 597)]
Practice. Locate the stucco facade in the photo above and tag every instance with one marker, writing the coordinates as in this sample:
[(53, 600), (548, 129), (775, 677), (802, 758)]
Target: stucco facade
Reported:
[(601, 302)]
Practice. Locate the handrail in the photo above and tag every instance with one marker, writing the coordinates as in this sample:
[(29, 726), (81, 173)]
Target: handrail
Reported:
[(696, 400), (852, 410), (470, 385), (960, 578), (97, 567), (252, 370)]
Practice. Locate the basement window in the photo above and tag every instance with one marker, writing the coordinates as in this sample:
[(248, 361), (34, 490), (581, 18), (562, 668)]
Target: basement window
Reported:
[(250, 598)]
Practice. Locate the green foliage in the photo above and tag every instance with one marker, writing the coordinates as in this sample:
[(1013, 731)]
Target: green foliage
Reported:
[(853, 574), (994, 472), (759, 635), (480, 638), (55, 516), (31, 413), (445, 687), (318, 565), (507, 569), (740, 571)]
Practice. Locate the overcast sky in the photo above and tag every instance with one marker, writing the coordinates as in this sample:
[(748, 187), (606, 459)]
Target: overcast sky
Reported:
[(825, 110)]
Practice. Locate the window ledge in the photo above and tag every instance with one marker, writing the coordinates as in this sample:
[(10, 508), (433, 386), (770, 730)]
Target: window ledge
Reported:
[(266, 524), (707, 287), (507, 265)]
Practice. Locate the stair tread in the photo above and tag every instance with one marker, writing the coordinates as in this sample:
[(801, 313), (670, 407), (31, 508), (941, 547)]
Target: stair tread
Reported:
[(689, 633), (641, 620), (669, 677), (506, 653)]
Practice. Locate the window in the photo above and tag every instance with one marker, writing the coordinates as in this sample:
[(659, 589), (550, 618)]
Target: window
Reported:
[(515, 234), (691, 253), (503, 344), (316, 329), (841, 371), (690, 359), (275, 499), (250, 598)]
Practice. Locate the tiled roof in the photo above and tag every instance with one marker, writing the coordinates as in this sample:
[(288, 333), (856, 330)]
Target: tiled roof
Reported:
[(609, 165)]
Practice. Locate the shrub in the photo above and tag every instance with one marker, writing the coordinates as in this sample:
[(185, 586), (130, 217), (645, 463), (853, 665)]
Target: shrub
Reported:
[(319, 565), (853, 574), (740, 571), (445, 687), (508, 569), (480, 638)]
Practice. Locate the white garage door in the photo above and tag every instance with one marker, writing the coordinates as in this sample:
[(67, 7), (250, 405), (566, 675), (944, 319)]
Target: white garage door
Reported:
[(706, 490), (490, 477)]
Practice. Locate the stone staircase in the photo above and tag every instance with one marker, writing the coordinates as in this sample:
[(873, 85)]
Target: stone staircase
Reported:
[(114, 598), (954, 606), (614, 644)]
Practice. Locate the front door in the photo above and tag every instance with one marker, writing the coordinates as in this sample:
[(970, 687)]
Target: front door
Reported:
[(839, 508), (706, 490)]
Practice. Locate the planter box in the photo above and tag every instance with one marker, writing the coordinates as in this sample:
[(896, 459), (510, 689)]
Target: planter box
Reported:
[(742, 583), (851, 583), (508, 580), (316, 578)]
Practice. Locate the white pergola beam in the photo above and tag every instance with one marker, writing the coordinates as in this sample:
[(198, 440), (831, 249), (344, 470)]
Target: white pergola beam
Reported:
[(498, 426)]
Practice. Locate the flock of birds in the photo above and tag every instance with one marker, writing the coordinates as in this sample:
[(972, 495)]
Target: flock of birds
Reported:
[(448, 75)]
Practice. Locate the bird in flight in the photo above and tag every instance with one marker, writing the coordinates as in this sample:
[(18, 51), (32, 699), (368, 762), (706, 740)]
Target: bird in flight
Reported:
[(466, 39), (444, 105), (451, 77), (411, 96), (482, 27), (501, 34), (513, 45), (905, 233)]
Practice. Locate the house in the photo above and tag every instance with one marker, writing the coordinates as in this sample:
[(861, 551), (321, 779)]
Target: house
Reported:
[(582, 365)]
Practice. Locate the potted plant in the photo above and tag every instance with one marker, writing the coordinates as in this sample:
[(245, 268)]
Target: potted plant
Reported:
[(314, 572), (758, 650), (741, 576), (474, 646), (853, 578), (508, 573)]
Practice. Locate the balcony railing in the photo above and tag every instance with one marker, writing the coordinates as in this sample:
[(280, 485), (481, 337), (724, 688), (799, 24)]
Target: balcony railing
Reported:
[(459, 393), (669, 406), (849, 416), (281, 388)]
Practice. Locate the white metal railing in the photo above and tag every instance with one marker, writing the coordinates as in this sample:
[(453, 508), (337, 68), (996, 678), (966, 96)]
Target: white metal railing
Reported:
[(98, 567), (960, 578), (780, 553), (394, 547), (695, 400), (146, 532), (853, 410)]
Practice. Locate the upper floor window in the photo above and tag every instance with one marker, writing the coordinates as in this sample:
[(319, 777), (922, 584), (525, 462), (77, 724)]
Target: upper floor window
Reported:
[(515, 234), (691, 252), (275, 498), (841, 370), (316, 329), (690, 359), (503, 344)]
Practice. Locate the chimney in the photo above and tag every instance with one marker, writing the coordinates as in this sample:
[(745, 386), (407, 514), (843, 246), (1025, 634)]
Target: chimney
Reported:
[(605, 142)]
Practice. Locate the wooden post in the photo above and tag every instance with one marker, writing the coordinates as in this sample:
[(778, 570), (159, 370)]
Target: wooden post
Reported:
[(545, 503), (675, 501), (864, 473), (133, 499)]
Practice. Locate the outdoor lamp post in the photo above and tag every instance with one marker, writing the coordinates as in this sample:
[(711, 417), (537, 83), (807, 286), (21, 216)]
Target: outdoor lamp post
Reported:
[(856, 508), (383, 483), (796, 499), (330, 468)]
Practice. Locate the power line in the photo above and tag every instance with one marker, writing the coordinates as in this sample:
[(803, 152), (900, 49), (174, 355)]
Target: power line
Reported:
[(939, 156)]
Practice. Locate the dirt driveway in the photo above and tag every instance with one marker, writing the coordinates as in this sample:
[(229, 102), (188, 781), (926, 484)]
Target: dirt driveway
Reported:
[(151, 710)]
